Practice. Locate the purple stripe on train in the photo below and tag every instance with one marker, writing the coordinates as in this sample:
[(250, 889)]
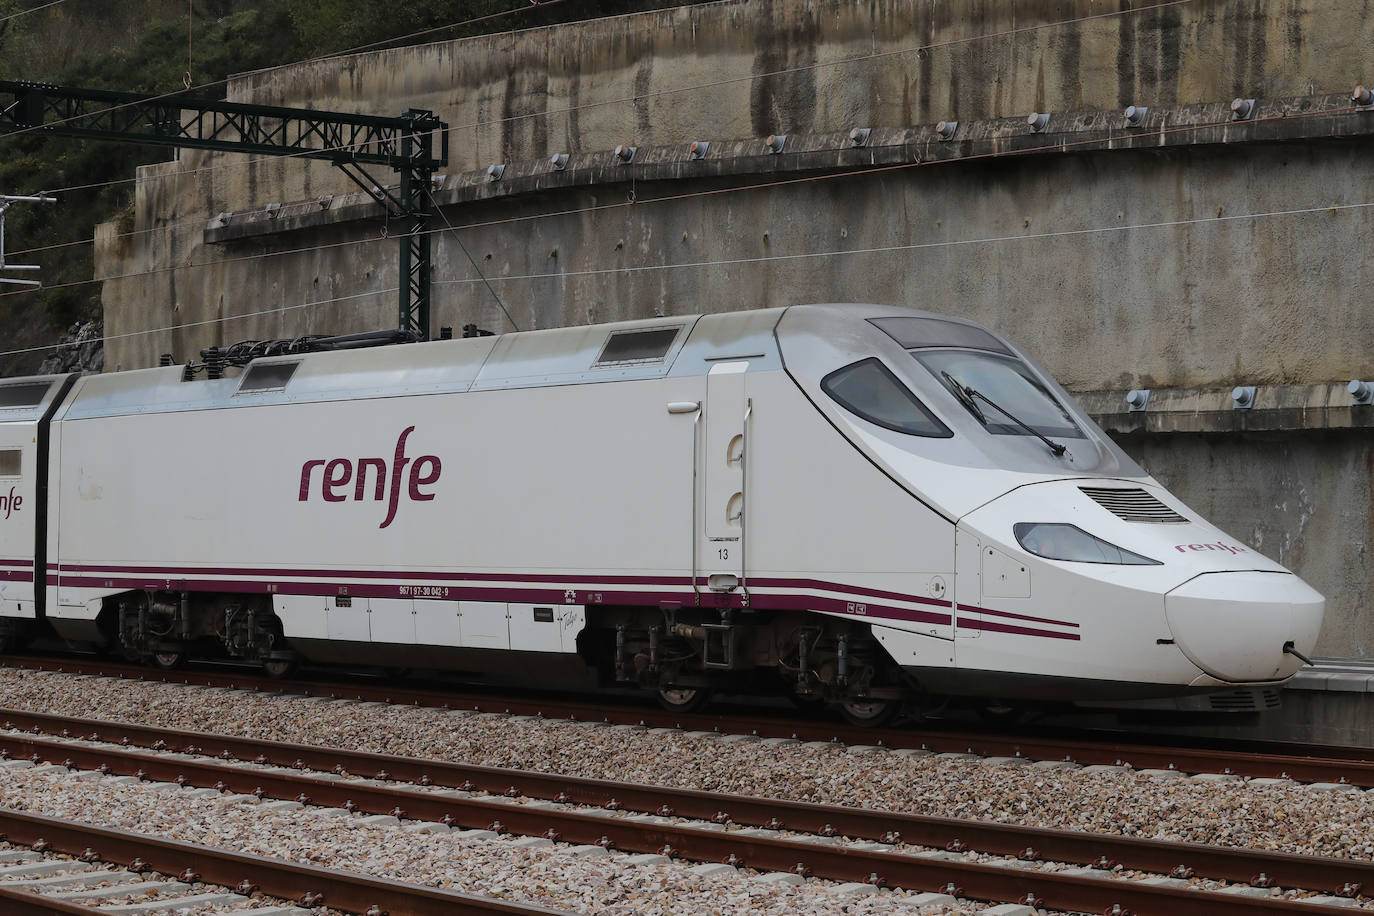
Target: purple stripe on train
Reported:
[(487, 592), (969, 624), (983, 610)]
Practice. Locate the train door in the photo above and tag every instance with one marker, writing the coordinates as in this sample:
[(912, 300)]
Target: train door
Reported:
[(18, 510), (968, 587), (721, 543)]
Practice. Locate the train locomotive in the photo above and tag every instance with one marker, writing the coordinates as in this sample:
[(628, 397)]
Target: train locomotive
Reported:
[(863, 506)]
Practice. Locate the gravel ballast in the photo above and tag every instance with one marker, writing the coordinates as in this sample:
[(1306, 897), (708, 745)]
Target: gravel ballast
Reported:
[(1267, 815)]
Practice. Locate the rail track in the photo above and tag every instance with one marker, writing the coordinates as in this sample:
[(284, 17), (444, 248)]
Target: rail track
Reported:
[(447, 793), (142, 865), (1311, 764)]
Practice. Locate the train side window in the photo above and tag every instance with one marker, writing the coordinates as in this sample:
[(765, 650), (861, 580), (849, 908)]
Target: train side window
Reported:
[(24, 394), (267, 377), (634, 347), (870, 390), (11, 462), (917, 333)]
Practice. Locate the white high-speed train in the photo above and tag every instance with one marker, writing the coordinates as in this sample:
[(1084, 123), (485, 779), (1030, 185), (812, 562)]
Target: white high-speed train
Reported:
[(856, 504)]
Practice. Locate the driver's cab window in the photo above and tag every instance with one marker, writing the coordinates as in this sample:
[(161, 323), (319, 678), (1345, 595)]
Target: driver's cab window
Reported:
[(869, 390)]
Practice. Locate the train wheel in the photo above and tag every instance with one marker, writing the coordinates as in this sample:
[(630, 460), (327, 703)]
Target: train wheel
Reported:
[(278, 668), (684, 699), (169, 659), (868, 713)]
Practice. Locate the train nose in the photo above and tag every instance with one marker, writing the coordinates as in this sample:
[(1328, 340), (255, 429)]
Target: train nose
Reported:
[(1233, 625)]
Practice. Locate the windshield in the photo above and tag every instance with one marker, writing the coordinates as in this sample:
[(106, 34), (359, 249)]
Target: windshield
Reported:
[(1006, 382)]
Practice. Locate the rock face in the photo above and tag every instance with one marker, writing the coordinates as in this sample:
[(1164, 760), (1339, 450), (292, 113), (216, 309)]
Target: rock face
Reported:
[(81, 349)]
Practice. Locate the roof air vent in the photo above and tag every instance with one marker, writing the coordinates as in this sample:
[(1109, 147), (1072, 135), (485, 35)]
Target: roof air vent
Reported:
[(1134, 505)]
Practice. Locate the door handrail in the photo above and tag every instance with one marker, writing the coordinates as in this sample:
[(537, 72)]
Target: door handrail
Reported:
[(696, 470), (693, 407), (744, 502)]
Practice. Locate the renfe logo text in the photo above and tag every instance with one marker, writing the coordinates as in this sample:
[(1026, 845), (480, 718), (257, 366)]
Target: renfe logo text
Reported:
[(1219, 545), (11, 503), (342, 478)]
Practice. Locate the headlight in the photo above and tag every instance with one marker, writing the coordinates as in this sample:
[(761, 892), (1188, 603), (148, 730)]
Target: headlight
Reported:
[(1058, 541)]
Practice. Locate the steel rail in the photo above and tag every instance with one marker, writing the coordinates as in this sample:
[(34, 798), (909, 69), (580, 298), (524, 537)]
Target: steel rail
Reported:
[(339, 890), (358, 894), (1354, 766), (14, 902), (1344, 877)]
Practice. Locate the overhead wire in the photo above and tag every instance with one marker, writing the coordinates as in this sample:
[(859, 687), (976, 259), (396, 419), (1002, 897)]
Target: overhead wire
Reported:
[(473, 261), (918, 246), (194, 324), (308, 249), (31, 10)]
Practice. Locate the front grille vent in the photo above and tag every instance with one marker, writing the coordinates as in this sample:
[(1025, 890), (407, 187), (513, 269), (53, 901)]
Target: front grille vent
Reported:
[(1245, 700), (1133, 505)]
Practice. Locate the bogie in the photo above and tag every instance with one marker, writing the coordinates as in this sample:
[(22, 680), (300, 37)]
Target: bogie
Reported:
[(169, 628)]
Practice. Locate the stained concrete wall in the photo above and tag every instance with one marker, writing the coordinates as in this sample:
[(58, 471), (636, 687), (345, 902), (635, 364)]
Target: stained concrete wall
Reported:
[(1118, 268), (745, 68), (1304, 500)]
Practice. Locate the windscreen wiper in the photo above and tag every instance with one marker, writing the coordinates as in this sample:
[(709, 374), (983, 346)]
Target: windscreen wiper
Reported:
[(967, 394), (963, 396)]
